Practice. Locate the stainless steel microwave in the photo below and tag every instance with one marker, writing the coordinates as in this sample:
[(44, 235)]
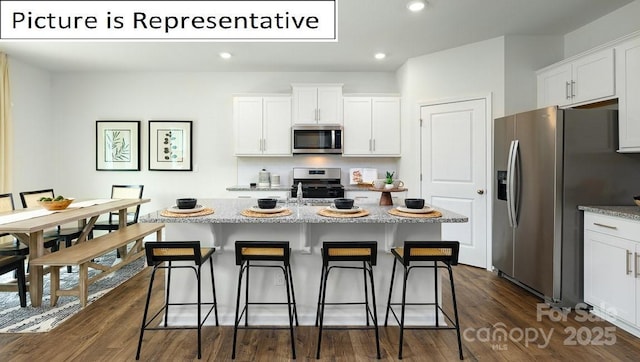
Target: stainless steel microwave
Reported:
[(316, 139)]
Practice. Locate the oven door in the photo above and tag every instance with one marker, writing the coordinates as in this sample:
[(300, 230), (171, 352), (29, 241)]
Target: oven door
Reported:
[(313, 139)]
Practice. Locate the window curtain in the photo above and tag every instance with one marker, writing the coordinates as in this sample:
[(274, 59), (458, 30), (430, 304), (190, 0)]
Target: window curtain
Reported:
[(5, 126)]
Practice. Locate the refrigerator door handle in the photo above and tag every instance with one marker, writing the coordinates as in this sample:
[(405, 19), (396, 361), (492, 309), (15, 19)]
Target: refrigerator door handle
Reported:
[(510, 170), (512, 184)]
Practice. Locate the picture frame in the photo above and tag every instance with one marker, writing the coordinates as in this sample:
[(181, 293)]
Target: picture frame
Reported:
[(117, 145), (170, 146)]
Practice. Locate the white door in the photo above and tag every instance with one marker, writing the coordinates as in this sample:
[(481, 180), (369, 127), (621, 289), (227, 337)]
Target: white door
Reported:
[(453, 166)]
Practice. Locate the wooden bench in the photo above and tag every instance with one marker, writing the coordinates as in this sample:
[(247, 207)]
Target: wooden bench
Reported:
[(83, 254)]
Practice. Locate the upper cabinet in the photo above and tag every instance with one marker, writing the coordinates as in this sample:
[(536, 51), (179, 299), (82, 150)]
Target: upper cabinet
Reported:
[(578, 81), (262, 126), (628, 84), (371, 126), (317, 103)]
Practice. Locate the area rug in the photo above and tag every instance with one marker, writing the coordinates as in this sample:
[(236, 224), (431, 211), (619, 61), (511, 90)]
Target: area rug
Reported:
[(14, 319)]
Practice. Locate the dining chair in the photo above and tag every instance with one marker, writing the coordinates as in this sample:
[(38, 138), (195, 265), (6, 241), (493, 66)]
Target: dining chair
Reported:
[(68, 233), (122, 192), (11, 246), (16, 264)]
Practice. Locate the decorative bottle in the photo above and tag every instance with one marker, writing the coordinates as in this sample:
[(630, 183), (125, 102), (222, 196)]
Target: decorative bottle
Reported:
[(299, 193)]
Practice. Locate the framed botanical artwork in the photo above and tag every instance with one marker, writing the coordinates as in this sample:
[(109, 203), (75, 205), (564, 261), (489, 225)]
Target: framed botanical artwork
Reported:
[(170, 145), (118, 145)]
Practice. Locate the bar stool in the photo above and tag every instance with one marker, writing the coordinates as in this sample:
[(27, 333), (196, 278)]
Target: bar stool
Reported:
[(435, 252), (170, 251), (260, 252), (348, 251)]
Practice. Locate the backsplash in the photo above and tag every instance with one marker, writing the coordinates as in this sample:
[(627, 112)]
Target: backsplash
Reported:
[(248, 167)]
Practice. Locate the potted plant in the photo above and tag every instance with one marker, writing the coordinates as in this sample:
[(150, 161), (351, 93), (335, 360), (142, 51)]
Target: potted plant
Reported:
[(388, 181)]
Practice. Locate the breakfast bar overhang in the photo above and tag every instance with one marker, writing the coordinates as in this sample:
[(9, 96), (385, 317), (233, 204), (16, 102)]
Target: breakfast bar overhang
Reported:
[(305, 229)]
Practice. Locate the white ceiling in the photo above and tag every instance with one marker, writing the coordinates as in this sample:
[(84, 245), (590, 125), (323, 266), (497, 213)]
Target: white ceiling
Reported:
[(364, 28)]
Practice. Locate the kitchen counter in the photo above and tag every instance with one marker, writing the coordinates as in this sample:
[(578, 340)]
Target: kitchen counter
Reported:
[(228, 211), (625, 212), (305, 230), (288, 188)]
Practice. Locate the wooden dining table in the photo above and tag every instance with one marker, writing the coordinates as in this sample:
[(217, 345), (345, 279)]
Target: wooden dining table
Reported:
[(31, 230)]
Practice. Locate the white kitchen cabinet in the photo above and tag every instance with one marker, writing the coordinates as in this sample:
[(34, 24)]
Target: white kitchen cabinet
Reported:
[(611, 270), (262, 126), (628, 89), (317, 104), (578, 81), (371, 126)]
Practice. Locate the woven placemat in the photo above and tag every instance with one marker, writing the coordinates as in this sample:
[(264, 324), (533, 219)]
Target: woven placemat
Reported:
[(249, 213), (203, 212), (397, 212), (329, 213)]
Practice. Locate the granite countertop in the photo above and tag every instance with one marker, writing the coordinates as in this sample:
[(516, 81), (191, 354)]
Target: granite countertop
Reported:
[(625, 212), (228, 211)]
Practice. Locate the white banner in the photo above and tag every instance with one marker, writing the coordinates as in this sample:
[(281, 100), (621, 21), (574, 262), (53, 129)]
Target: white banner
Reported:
[(294, 20)]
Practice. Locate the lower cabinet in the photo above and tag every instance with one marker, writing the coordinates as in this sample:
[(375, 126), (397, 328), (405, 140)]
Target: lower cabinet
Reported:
[(612, 270)]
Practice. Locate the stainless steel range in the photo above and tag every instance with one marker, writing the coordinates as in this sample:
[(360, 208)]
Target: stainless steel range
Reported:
[(317, 182)]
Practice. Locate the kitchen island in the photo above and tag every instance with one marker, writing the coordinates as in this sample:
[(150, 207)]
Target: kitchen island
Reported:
[(305, 229)]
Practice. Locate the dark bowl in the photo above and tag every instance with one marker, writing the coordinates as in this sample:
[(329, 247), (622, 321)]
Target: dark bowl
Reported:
[(414, 203), (186, 203), (343, 203), (267, 203)]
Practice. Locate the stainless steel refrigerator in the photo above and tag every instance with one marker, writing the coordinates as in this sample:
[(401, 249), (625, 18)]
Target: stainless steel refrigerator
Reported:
[(547, 162)]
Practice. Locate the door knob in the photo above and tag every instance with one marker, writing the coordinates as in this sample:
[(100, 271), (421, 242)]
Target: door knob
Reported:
[(480, 192)]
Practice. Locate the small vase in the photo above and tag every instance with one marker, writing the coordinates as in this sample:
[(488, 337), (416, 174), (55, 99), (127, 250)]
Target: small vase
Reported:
[(388, 186)]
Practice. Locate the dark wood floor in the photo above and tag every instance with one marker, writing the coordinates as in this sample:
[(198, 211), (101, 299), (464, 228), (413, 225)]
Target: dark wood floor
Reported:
[(107, 330)]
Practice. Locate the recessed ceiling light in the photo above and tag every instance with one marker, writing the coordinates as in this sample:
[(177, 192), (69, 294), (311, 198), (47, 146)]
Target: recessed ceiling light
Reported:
[(225, 55), (380, 56), (415, 6)]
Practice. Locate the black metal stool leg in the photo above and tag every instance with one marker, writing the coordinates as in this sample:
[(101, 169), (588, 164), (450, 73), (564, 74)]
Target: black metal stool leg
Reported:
[(144, 315), (455, 310), (236, 320), (246, 297), (198, 276), (366, 294), (213, 287), (375, 310), (324, 296), (435, 283), (293, 294), (319, 295), (404, 300), (290, 309), (393, 275), (166, 298)]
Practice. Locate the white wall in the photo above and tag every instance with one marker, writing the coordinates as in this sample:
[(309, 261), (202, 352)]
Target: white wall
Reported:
[(618, 23), (35, 140), (524, 55), (79, 99), (469, 71)]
